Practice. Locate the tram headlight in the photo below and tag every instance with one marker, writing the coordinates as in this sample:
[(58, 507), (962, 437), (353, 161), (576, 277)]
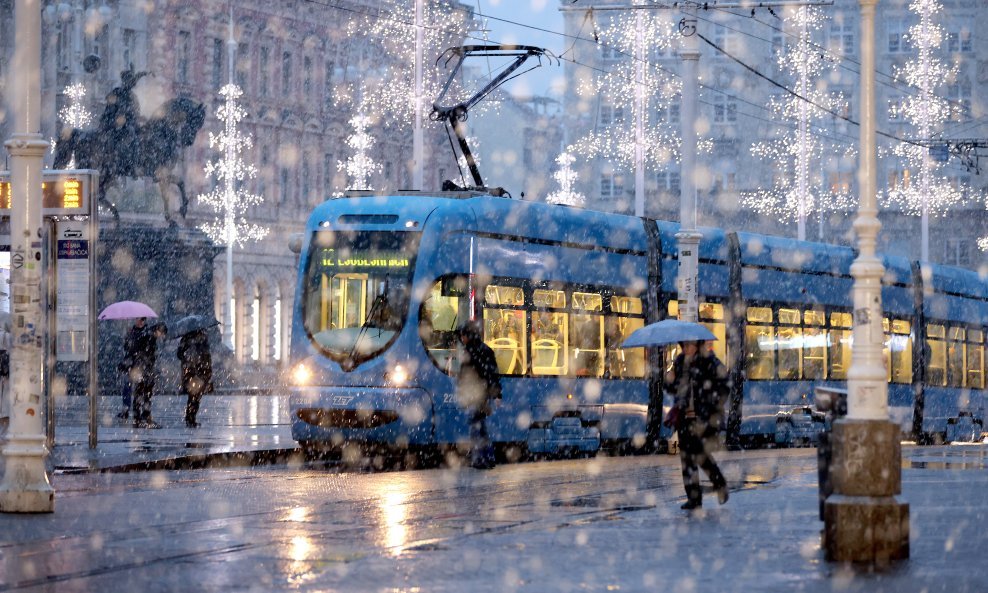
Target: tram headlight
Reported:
[(301, 375), (398, 375)]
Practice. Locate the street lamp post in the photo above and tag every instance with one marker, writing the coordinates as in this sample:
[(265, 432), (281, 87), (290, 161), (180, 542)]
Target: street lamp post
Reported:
[(688, 237), (863, 520), (25, 487)]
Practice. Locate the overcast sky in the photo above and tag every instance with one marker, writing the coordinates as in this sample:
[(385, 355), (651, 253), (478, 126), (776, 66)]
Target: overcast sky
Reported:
[(541, 14)]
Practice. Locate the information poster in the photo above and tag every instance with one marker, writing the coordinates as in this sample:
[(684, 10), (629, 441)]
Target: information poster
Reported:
[(72, 291)]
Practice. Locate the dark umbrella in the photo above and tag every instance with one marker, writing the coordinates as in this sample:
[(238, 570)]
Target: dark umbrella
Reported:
[(191, 323)]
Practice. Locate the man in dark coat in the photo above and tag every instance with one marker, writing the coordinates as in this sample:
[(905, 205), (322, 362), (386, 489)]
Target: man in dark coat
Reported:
[(142, 348), (699, 382), (197, 372), (478, 384)]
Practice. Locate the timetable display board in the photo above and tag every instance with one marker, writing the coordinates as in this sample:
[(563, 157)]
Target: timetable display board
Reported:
[(62, 192)]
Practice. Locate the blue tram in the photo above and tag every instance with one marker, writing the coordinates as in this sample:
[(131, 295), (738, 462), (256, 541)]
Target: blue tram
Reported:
[(384, 281)]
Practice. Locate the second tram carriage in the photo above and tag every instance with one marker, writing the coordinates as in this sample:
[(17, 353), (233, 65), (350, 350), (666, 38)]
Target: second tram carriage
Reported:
[(384, 281)]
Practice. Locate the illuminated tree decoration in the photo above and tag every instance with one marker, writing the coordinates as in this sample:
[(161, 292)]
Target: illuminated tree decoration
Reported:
[(566, 177), (632, 87), (798, 153), (231, 227), (74, 115), (923, 192), (360, 166)]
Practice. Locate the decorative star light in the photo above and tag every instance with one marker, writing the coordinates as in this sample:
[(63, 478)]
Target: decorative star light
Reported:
[(360, 166), (75, 115), (798, 152), (228, 199), (566, 177)]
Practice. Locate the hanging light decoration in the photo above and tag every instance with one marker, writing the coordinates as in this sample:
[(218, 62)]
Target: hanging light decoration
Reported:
[(566, 177), (798, 153), (228, 199)]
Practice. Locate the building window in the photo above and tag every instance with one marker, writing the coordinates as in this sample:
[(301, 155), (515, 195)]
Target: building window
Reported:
[(726, 39), (255, 315), (957, 252), (283, 186), (668, 114), (129, 47), (327, 90), (304, 198), (898, 180), (896, 110), (182, 62), (668, 182), (276, 350), (841, 40), (725, 108), (840, 182), (959, 96), (306, 77), (898, 35), (243, 65), (217, 63), (286, 74), (610, 114), (611, 186), (959, 41), (262, 71)]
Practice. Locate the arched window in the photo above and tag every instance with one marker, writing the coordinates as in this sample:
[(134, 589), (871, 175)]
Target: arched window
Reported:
[(255, 316), (278, 326)]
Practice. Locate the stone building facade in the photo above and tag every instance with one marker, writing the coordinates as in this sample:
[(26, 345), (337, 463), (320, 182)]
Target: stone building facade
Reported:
[(293, 59)]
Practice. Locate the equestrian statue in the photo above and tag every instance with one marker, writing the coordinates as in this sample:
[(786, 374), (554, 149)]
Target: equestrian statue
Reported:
[(125, 144)]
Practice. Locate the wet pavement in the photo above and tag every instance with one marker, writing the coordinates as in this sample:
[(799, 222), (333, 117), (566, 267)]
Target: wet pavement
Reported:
[(236, 427), (604, 524)]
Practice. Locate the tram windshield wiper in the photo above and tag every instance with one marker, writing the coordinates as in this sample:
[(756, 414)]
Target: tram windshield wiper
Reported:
[(381, 317)]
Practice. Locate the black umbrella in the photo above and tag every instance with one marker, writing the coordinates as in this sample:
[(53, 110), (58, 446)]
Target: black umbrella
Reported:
[(191, 323)]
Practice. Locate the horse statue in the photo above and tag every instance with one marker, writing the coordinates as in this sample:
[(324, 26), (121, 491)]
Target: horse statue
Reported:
[(124, 144)]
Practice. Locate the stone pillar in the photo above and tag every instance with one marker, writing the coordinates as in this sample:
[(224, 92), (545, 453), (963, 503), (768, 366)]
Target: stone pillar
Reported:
[(863, 519)]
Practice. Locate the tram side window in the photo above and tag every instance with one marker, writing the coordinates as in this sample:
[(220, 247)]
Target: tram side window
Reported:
[(587, 337), (790, 344), (840, 345), (550, 333), (955, 357), (899, 350), (712, 316), (625, 317), (759, 337), (936, 355), (504, 327), (814, 344), (975, 359), (438, 319)]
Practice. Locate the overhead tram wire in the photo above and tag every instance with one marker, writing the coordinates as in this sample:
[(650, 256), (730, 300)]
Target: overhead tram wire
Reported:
[(797, 95), (576, 38)]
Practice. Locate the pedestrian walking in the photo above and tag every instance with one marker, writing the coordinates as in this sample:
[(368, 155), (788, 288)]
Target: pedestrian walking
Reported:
[(478, 385), (197, 372), (698, 381), (142, 349)]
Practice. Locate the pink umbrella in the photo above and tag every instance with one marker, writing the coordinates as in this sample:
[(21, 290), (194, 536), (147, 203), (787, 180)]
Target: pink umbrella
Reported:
[(127, 310)]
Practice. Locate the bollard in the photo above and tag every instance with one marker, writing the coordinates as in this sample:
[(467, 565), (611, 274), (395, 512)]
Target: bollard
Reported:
[(832, 402)]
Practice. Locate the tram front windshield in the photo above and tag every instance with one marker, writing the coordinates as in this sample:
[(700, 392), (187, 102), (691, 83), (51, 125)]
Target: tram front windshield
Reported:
[(357, 287)]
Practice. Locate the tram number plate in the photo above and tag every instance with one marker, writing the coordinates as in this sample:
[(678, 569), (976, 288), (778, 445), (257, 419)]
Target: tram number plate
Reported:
[(342, 400)]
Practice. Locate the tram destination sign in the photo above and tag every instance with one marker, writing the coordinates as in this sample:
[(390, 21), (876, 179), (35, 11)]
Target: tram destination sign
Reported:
[(62, 192)]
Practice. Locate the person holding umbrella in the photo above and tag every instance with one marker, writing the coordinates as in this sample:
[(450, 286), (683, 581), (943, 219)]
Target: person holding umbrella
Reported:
[(197, 371), (142, 347), (698, 380)]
